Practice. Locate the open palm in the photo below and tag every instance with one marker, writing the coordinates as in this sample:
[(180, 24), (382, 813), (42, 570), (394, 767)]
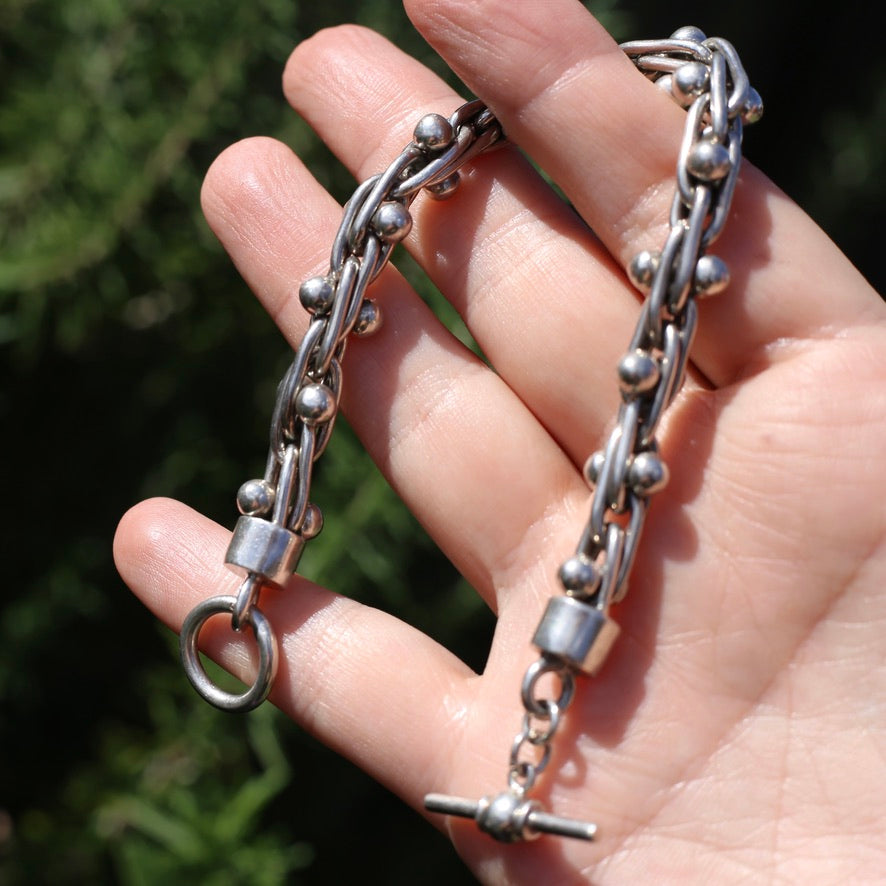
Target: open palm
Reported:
[(738, 729)]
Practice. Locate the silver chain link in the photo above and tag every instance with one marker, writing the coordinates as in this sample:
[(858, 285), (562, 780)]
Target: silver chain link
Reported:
[(706, 77), (278, 517), (531, 748), (576, 633)]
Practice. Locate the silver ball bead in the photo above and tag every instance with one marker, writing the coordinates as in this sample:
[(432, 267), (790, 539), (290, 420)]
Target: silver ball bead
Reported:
[(433, 132), (316, 295), (708, 160), (578, 575), (642, 269), (444, 189), (690, 81), (593, 466), (312, 524), (647, 473), (638, 371), (711, 275), (369, 318), (392, 222), (504, 817), (315, 404), (690, 32), (752, 110), (666, 84), (255, 498)]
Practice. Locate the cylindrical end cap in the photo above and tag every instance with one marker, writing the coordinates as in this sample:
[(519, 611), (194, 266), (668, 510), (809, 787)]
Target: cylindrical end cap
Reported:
[(577, 633), (265, 548)]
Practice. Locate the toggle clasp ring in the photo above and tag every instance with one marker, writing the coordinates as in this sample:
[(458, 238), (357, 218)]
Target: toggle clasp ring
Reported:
[(267, 652)]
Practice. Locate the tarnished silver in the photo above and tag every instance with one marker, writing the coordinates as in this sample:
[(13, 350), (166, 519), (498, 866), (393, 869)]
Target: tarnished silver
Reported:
[(705, 76), (278, 518)]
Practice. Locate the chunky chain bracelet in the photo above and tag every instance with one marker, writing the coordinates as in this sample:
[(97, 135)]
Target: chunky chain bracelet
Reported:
[(705, 76), (277, 516)]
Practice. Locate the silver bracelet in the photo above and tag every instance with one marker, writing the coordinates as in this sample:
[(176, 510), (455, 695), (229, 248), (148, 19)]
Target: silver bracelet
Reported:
[(576, 632)]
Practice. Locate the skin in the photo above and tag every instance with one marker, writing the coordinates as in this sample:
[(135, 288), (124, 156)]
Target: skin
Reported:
[(737, 732)]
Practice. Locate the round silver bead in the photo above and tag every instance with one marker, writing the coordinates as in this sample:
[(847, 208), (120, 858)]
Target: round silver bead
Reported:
[(316, 295), (444, 189), (638, 371), (708, 160), (504, 817), (689, 82), (392, 222), (711, 275), (315, 404), (312, 523), (433, 132), (255, 498), (647, 473), (369, 318), (593, 466), (642, 269), (690, 32), (578, 575), (752, 110)]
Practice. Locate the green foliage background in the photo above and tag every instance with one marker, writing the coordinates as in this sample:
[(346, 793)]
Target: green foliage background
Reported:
[(134, 363)]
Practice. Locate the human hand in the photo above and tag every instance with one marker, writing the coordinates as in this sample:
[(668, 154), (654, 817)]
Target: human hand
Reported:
[(737, 729)]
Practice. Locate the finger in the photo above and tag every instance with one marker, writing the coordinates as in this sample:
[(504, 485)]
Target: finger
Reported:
[(460, 448), (340, 661), (566, 93), (518, 264)]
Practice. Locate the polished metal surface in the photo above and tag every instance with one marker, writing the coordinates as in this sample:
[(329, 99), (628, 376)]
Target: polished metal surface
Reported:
[(508, 817), (576, 632), (267, 650), (265, 548)]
